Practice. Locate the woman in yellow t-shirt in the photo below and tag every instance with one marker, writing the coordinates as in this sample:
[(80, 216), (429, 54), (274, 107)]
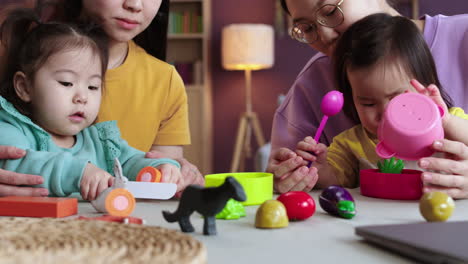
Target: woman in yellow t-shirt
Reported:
[(143, 93)]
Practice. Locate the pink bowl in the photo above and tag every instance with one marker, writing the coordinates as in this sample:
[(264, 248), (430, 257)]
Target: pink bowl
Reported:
[(405, 186), (410, 124)]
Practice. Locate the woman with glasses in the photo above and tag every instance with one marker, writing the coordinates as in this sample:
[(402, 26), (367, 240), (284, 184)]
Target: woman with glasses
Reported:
[(319, 24)]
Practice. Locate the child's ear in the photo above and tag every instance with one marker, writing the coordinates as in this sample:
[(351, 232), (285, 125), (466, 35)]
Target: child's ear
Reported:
[(21, 84)]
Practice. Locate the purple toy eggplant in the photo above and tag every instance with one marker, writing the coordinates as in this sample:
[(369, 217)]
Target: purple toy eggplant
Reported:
[(337, 201)]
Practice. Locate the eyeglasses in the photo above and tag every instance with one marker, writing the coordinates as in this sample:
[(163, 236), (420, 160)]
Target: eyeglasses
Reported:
[(328, 15)]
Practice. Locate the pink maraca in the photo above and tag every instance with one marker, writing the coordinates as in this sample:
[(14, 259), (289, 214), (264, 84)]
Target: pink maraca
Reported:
[(332, 103)]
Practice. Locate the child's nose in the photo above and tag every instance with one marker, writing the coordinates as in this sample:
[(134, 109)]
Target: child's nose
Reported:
[(380, 112), (80, 98), (379, 117)]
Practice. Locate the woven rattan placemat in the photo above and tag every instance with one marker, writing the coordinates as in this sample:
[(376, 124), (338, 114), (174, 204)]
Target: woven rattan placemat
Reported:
[(49, 240)]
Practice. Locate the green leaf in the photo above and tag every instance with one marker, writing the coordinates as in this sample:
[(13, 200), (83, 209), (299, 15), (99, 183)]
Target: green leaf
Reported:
[(391, 165)]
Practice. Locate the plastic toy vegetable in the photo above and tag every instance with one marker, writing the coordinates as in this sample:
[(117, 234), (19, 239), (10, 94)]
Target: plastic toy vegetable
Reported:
[(271, 214), (436, 206), (391, 166), (299, 205), (232, 210), (337, 201), (116, 200), (149, 174)]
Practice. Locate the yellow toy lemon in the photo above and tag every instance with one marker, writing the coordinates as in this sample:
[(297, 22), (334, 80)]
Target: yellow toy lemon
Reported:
[(436, 206), (271, 214)]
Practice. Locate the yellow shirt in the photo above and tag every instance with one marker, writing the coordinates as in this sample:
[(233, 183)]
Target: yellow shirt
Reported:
[(148, 99), (349, 152), (354, 150), (457, 111)]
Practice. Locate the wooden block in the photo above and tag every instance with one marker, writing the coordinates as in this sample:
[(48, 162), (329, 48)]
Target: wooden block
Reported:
[(38, 206)]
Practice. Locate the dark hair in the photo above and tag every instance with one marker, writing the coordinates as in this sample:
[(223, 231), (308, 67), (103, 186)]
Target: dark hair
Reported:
[(153, 39), (29, 43), (378, 37), (285, 6)]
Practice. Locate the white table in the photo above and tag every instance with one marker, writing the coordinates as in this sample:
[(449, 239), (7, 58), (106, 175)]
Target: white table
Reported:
[(319, 239)]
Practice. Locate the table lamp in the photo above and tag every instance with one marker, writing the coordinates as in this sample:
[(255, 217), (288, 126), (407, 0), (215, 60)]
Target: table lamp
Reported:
[(247, 47)]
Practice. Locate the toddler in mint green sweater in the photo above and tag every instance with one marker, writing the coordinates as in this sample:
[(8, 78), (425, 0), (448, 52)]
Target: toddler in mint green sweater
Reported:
[(50, 96)]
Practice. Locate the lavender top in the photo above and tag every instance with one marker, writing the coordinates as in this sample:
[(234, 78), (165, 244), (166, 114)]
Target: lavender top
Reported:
[(299, 115)]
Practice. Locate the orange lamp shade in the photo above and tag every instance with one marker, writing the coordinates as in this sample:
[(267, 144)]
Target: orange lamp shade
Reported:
[(149, 174)]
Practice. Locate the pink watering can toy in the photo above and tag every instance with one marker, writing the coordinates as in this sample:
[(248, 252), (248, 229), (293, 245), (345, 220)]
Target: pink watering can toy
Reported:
[(409, 126)]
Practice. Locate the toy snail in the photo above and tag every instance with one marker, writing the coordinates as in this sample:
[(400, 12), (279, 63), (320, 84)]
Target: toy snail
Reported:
[(337, 201), (116, 200)]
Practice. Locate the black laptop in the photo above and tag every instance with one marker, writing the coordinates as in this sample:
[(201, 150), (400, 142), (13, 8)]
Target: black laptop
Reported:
[(436, 242)]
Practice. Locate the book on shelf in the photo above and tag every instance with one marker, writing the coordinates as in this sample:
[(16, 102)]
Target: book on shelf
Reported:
[(190, 72), (185, 22)]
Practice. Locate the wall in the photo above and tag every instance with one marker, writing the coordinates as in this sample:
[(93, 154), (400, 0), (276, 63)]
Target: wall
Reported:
[(290, 56)]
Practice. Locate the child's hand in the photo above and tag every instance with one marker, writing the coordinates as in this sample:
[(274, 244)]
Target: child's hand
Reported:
[(433, 92), (171, 174), (309, 150), (94, 181)]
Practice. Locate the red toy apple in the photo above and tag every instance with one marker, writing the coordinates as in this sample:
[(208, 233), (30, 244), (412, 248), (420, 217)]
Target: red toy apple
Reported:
[(299, 205)]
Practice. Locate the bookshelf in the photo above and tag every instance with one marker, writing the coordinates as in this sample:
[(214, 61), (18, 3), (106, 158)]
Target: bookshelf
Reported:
[(187, 50)]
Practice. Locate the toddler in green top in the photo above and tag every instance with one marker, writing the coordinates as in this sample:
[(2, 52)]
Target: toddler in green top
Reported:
[(51, 91)]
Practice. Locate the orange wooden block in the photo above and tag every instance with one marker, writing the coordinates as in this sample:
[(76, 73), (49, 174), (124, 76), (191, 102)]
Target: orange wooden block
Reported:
[(38, 206), (149, 174)]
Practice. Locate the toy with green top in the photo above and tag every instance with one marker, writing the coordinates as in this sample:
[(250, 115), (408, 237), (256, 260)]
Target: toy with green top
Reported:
[(391, 165), (391, 181)]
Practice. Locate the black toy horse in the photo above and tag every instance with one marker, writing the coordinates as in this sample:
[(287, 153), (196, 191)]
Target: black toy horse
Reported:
[(206, 201)]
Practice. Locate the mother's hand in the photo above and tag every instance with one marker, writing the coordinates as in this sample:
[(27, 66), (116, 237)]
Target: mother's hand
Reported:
[(289, 172), (450, 173), (10, 181)]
